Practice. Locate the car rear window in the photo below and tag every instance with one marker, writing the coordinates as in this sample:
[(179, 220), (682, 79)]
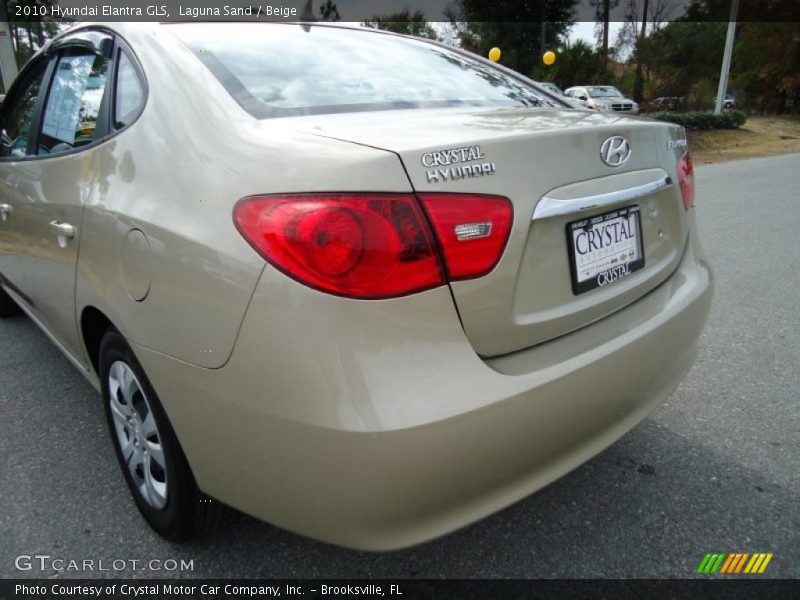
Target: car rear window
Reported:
[(279, 70)]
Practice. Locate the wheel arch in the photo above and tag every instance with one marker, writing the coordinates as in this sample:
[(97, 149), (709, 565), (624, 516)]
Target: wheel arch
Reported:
[(94, 323)]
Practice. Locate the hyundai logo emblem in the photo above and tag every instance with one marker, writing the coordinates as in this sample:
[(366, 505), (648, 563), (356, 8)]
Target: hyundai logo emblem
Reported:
[(615, 151)]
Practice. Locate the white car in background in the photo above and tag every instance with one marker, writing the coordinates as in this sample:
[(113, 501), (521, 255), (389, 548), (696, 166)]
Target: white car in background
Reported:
[(728, 101), (602, 97)]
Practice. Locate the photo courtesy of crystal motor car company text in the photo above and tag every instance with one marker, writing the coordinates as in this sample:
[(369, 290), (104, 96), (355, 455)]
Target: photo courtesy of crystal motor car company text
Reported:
[(415, 290)]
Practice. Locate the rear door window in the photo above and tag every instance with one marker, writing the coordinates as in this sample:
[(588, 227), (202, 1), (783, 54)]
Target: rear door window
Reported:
[(129, 94), (74, 101)]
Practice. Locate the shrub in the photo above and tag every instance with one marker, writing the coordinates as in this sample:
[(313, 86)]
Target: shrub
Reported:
[(703, 120)]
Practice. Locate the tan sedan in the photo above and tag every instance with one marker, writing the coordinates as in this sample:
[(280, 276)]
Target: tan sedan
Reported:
[(365, 287)]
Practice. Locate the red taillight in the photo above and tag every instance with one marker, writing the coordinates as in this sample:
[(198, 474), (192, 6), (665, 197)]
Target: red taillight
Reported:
[(686, 181), (375, 245), (355, 245), (472, 230)]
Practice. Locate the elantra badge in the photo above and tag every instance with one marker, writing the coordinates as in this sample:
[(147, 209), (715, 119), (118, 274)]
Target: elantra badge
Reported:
[(615, 151)]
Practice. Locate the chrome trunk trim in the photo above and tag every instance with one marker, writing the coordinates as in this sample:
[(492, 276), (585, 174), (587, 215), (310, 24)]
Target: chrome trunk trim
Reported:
[(553, 207)]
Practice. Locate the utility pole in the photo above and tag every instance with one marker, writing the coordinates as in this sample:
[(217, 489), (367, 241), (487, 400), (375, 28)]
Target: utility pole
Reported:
[(8, 59), (606, 17), (638, 83), (726, 58), (543, 32)]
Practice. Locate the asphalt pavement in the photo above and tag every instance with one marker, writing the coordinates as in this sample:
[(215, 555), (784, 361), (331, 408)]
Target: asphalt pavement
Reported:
[(716, 468)]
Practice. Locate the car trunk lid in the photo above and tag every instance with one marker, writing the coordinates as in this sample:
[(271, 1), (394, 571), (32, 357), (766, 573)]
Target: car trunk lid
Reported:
[(548, 163)]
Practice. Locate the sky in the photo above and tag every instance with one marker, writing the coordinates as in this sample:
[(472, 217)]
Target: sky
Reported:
[(581, 30), (584, 30)]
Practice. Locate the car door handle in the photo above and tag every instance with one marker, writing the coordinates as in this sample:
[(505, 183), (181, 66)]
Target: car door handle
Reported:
[(63, 229), (5, 210)]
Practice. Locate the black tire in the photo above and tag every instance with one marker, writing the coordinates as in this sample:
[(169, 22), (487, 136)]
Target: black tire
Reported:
[(8, 308), (187, 512)]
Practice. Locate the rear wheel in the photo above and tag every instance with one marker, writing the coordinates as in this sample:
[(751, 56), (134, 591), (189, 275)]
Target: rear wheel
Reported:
[(153, 464), (8, 307)]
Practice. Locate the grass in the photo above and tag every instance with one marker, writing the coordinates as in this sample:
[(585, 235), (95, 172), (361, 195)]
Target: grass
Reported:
[(759, 136)]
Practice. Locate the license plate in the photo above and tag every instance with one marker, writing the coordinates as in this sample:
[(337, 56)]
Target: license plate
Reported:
[(605, 248)]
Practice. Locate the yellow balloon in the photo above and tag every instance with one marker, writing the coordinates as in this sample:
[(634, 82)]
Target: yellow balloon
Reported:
[(494, 54), (549, 58)]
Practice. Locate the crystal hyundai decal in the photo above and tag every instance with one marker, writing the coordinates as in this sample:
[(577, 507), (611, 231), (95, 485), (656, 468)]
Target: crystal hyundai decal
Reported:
[(451, 159)]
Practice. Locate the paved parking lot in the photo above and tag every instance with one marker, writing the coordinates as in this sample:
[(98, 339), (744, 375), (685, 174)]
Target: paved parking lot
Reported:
[(714, 469)]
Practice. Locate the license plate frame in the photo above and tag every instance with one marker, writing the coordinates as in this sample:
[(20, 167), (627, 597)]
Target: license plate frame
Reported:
[(609, 259)]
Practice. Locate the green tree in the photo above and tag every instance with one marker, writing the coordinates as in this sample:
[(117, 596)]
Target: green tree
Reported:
[(29, 36), (642, 19), (755, 11), (404, 22), (514, 27), (578, 64), (328, 11), (684, 54), (766, 66), (603, 20), (684, 59)]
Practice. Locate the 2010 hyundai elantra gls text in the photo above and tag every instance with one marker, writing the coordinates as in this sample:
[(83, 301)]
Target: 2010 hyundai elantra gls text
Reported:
[(364, 287)]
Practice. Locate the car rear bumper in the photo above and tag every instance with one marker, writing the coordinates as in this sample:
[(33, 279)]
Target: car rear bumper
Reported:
[(394, 432)]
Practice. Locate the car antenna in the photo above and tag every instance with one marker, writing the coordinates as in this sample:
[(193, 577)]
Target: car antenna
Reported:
[(307, 15)]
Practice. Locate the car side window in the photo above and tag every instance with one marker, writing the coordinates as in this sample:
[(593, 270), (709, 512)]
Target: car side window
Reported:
[(129, 93), (74, 101), (18, 115)]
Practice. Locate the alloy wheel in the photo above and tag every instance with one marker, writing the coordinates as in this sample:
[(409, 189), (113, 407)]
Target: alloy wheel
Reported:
[(137, 435)]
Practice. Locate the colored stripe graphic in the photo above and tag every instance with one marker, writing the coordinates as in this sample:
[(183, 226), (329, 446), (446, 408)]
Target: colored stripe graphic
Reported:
[(741, 562), (711, 563), (703, 563), (727, 564), (754, 563), (717, 564), (734, 560), (765, 563), (734, 563)]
